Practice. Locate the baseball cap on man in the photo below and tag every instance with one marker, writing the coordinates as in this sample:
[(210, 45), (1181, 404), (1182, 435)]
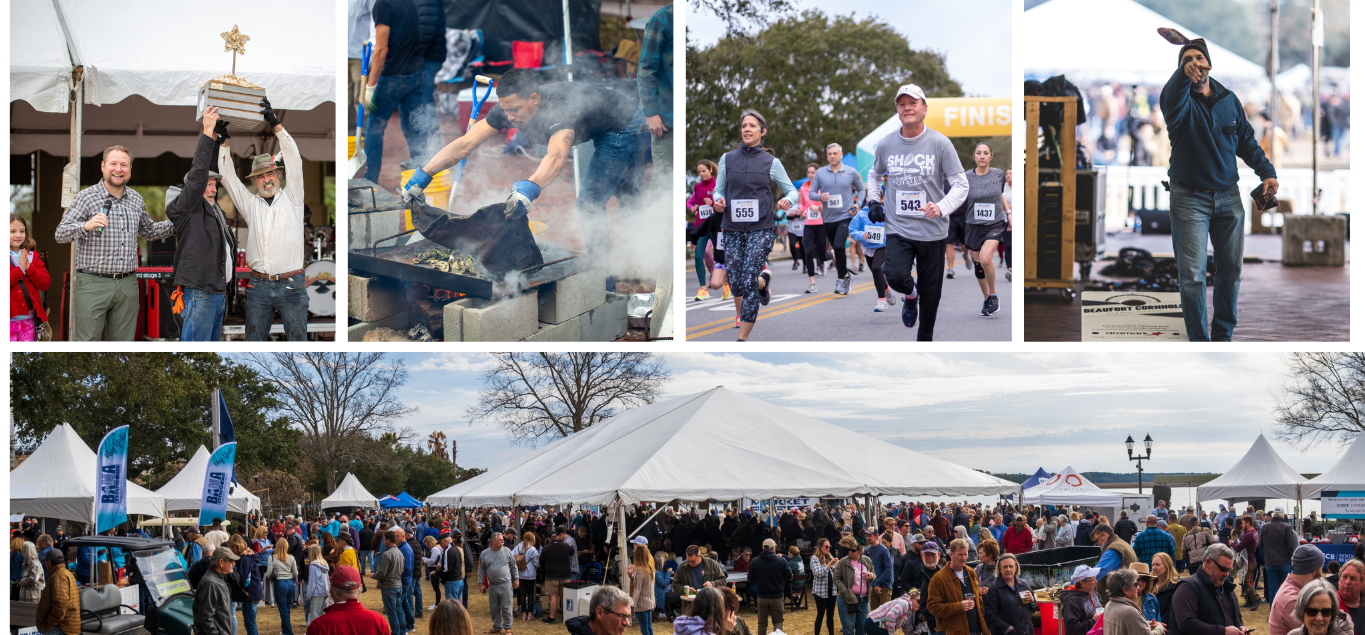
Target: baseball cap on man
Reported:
[(345, 577), (911, 90), (224, 552)]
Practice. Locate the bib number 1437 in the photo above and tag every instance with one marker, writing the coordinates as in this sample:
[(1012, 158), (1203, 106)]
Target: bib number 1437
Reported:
[(744, 210), (910, 203)]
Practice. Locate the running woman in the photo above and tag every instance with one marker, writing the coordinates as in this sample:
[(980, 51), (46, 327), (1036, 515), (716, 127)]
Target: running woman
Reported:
[(838, 187), (744, 194), (914, 160), (796, 238), (988, 220), (814, 233), (872, 237), (700, 206)]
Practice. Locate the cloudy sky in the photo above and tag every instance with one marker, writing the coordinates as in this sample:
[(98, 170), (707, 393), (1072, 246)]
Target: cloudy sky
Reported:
[(977, 48), (1004, 413)]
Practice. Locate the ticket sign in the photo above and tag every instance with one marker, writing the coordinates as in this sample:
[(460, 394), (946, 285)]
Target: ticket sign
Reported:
[(1342, 504), (1117, 316), (970, 116)]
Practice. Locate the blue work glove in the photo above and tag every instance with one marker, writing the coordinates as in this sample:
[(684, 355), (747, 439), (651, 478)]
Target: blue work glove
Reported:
[(414, 189), (523, 192), (875, 212)]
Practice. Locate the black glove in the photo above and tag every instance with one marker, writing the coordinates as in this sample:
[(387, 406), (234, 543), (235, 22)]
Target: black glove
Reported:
[(875, 212), (269, 113), (220, 133)]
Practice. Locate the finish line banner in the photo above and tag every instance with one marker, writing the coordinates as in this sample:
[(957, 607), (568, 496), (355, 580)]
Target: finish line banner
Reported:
[(111, 475), (1118, 316), (217, 477), (970, 116)]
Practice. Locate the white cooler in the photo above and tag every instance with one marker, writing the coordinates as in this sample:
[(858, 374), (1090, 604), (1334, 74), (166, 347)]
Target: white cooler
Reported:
[(577, 601)]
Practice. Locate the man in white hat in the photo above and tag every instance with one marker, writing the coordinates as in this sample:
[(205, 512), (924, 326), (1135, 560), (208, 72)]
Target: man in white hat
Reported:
[(915, 162), (274, 243)]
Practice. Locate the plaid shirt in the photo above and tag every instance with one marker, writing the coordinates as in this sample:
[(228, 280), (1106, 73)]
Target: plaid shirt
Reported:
[(655, 73), (115, 249), (1150, 542), (822, 578)]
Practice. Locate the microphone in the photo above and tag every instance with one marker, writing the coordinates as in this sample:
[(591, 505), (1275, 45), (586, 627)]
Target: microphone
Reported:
[(108, 203)]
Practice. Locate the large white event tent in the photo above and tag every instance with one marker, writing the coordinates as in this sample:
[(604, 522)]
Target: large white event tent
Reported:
[(1127, 50), (1347, 474), (58, 481), (1261, 473), (186, 490), (350, 493)]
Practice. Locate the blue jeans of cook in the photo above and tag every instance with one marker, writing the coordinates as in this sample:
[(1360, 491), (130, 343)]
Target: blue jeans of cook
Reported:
[(614, 170), (646, 620), (1275, 575), (248, 616), (402, 93), (851, 617), (455, 591), (202, 317), (393, 602), (264, 298), (1198, 217), (284, 598)]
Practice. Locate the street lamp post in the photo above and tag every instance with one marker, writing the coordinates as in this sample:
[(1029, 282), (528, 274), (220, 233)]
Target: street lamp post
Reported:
[(1139, 458)]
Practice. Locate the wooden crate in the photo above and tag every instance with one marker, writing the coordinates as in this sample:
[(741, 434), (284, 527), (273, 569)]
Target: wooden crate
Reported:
[(240, 107)]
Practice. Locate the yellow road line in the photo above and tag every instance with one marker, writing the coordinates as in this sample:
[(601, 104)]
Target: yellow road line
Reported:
[(801, 302), (729, 324)]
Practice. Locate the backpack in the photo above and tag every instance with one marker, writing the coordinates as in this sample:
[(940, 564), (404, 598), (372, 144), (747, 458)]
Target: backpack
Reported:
[(521, 561)]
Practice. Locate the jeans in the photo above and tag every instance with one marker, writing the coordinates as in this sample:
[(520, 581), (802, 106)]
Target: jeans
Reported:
[(1196, 218), (455, 590), (402, 93), (288, 296), (409, 621), (284, 598), (1274, 577), (417, 605), (646, 620), (202, 318), (614, 170), (393, 601), (851, 617), (872, 628), (366, 560), (248, 617)]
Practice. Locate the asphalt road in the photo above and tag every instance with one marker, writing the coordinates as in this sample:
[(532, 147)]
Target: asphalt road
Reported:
[(794, 315)]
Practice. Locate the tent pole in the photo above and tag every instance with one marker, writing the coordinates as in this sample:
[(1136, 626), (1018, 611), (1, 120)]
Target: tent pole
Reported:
[(651, 517), (622, 555), (1317, 102), (568, 68), (77, 107)]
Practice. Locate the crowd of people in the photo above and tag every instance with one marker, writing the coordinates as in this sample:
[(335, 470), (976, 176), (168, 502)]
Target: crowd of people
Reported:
[(903, 222)]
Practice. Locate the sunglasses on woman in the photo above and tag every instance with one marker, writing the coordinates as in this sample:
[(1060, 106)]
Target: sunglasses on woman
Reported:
[(1312, 612)]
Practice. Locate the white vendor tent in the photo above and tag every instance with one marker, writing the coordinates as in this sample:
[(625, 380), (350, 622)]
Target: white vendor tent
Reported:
[(1128, 50), (715, 445), (143, 69), (1069, 487), (58, 481), (350, 493), (186, 490), (1347, 474), (1261, 473)]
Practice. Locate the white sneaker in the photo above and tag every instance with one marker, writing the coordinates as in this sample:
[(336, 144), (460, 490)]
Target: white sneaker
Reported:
[(881, 306), (431, 608)]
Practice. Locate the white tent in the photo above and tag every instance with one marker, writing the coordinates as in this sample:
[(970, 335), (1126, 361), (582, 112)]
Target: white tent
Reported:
[(1261, 473), (1348, 473), (350, 493), (58, 481), (143, 70), (715, 445), (186, 490), (1129, 52), (1069, 487)]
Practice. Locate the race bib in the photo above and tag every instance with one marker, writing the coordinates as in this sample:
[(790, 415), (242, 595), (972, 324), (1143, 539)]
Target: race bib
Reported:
[(875, 234), (983, 211), (836, 200), (813, 213), (720, 240), (744, 210), (910, 203), (704, 212)]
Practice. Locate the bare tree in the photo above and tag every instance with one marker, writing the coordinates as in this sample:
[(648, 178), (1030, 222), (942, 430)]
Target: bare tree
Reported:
[(339, 400), (536, 395), (1324, 400), (277, 489)]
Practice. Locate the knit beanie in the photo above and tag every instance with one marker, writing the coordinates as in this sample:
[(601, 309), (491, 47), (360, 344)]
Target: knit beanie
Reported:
[(1307, 559), (1195, 44)]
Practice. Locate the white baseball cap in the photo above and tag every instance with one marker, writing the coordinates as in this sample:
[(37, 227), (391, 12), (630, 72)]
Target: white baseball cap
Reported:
[(911, 90), (640, 540), (1083, 571)]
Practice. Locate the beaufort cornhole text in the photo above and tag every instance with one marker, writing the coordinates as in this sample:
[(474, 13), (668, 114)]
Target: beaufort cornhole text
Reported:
[(1108, 316)]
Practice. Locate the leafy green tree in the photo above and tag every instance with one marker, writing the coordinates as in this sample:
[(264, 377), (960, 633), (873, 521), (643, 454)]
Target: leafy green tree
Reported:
[(816, 79), (736, 12)]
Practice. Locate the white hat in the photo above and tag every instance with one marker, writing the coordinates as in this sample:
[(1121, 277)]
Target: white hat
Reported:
[(640, 540), (1083, 571), (911, 90)]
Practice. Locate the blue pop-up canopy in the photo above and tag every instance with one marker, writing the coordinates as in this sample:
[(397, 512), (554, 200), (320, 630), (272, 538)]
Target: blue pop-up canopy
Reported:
[(401, 501), (1038, 477)]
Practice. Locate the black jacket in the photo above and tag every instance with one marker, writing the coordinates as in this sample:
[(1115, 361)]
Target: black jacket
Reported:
[(200, 229), (910, 573), (556, 560), (1004, 610), (366, 538), (431, 29), (1165, 600), (1279, 541), (1125, 528), (1200, 609), (769, 574), (1077, 618), (1083, 533)]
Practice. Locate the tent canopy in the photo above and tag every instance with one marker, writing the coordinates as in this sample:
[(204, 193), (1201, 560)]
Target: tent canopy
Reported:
[(186, 490), (58, 481), (1130, 53), (1261, 473), (1348, 473), (401, 501), (668, 451), (1038, 477), (1069, 487), (350, 493)]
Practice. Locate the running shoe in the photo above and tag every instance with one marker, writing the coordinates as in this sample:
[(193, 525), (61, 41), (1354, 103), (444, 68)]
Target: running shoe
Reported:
[(967, 261), (795, 264), (811, 288), (860, 267), (951, 275), (703, 294), (881, 306), (725, 295), (910, 311), (841, 285), (1009, 276), (736, 321), (821, 270), (764, 293), (992, 305)]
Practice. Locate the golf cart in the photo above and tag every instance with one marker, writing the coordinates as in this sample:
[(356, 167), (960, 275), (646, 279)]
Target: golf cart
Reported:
[(154, 567)]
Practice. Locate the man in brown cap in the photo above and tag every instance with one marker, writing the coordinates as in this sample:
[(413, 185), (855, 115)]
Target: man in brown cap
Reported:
[(274, 244), (213, 598)]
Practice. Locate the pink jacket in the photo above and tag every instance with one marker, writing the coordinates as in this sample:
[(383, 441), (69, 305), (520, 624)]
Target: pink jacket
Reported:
[(700, 193)]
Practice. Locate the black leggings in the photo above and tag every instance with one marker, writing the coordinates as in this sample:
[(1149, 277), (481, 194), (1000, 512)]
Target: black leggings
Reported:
[(814, 247), (824, 609), (794, 243), (526, 595), (837, 235), (878, 278)]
